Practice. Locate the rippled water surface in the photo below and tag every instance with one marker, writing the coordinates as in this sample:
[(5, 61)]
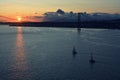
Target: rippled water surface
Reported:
[(32, 53)]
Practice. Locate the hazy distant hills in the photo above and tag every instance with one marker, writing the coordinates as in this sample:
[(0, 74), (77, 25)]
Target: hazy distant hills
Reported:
[(106, 24)]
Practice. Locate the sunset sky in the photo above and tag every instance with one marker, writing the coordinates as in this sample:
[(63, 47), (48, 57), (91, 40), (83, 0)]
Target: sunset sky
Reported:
[(14, 8)]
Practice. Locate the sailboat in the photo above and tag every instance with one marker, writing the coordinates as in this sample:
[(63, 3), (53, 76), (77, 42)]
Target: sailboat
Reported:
[(91, 59), (74, 51)]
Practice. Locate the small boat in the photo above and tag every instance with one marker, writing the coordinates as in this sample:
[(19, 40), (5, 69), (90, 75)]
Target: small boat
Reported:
[(91, 59), (74, 51)]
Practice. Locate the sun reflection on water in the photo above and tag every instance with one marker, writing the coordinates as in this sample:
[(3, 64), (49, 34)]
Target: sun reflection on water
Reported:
[(20, 67)]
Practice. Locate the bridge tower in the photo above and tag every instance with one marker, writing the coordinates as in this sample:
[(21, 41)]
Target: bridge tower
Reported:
[(79, 22)]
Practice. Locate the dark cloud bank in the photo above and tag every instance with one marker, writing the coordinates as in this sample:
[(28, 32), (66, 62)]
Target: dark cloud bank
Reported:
[(61, 16)]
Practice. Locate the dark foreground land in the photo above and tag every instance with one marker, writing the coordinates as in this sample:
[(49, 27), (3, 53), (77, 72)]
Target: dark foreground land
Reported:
[(111, 24)]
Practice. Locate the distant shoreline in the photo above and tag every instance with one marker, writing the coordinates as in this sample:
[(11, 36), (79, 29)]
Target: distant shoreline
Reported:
[(113, 24)]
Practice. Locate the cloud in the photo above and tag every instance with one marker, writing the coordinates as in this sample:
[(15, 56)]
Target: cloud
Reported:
[(61, 16), (5, 19), (33, 18)]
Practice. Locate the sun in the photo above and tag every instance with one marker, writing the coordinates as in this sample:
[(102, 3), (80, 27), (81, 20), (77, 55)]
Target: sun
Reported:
[(19, 19)]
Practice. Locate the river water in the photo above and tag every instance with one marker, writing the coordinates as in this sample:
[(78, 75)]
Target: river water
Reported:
[(38, 53)]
